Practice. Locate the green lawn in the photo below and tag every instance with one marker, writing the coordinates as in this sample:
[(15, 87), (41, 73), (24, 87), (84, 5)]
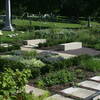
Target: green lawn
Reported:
[(20, 23)]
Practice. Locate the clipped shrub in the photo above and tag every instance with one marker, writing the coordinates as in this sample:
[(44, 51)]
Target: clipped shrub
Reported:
[(7, 63), (13, 47)]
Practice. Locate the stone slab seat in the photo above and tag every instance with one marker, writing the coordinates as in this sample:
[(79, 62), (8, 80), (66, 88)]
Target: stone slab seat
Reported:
[(35, 91), (35, 41), (70, 46)]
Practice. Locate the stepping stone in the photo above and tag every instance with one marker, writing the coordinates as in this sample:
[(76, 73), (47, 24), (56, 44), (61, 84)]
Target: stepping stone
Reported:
[(77, 92), (35, 91), (96, 78), (96, 98), (58, 97), (70, 46), (90, 84)]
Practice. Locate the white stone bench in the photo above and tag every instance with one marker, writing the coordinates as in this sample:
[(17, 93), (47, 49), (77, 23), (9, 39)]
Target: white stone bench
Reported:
[(34, 43), (70, 46)]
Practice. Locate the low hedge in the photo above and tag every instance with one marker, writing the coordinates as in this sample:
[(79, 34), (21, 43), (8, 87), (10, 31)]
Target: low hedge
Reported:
[(6, 63), (9, 48)]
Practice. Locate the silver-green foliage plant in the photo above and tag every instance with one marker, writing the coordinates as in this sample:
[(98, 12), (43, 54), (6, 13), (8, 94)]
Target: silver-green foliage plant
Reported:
[(33, 63)]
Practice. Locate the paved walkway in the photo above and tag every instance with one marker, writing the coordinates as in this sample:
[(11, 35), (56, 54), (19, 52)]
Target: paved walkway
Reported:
[(86, 90), (65, 55), (82, 51)]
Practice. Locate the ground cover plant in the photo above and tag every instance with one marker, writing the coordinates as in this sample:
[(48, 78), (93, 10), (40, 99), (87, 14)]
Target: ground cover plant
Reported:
[(68, 72)]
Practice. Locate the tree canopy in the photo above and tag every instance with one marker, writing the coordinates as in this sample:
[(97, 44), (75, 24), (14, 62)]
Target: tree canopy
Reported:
[(60, 7)]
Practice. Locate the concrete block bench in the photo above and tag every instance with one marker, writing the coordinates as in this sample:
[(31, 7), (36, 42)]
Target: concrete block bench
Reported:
[(33, 43), (70, 46)]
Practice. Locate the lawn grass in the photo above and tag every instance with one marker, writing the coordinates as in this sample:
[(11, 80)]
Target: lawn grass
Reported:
[(20, 23), (93, 23)]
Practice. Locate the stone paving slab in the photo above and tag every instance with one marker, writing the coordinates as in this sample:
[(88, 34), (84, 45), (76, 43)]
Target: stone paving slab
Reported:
[(58, 97), (96, 98), (35, 91), (90, 84), (78, 92), (96, 78)]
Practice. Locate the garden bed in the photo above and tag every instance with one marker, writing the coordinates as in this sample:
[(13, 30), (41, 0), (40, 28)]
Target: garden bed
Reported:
[(79, 78)]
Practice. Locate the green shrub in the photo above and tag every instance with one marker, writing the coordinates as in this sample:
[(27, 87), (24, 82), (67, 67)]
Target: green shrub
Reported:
[(13, 82), (64, 63), (55, 78), (34, 65), (13, 47), (7, 63), (92, 64), (26, 96), (97, 46), (29, 54)]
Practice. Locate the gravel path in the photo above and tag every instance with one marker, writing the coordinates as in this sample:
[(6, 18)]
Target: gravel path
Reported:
[(81, 51)]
